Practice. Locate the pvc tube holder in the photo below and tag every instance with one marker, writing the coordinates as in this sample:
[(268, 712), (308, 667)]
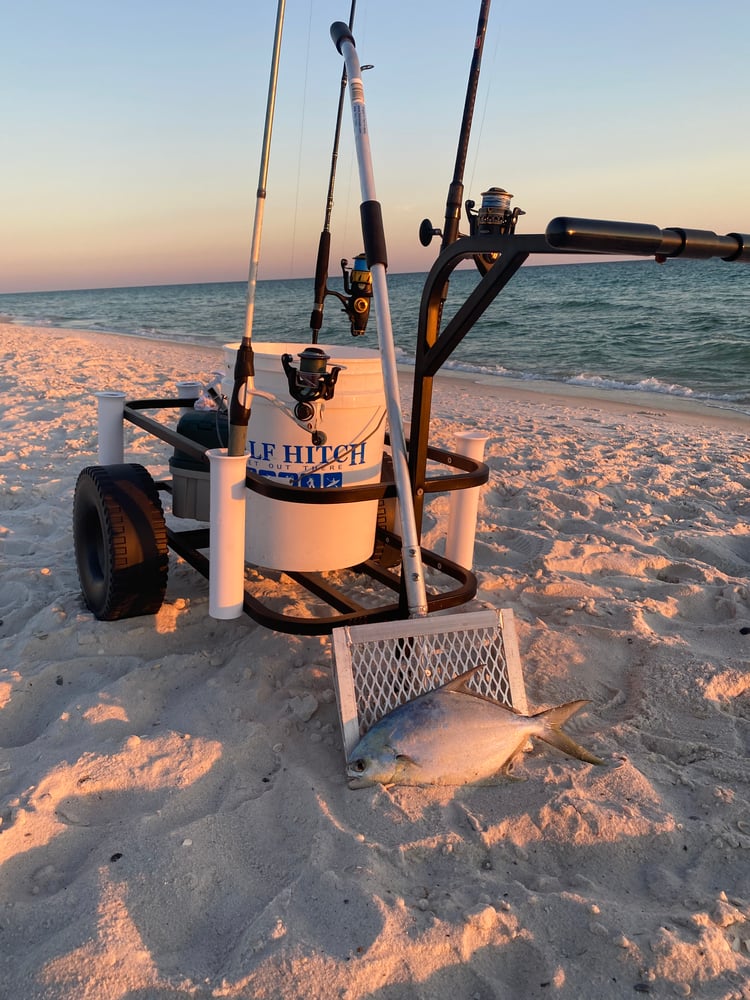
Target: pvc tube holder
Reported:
[(226, 571), (462, 516), (111, 434), (187, 390)]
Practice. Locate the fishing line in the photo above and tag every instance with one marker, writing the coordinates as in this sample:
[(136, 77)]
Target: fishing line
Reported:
[(357, 279), (293, 241), (351, 216), (342, 451), (352, 220), (347, 451), (478, 142), (244, 366)]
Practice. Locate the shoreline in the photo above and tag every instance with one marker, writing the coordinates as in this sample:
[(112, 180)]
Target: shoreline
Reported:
[(676, 408)]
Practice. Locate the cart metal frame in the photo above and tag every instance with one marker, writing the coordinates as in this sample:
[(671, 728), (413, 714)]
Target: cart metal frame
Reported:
[(450, 584)]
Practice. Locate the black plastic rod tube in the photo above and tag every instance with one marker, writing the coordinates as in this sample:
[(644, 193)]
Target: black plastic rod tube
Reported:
[(640, 239)]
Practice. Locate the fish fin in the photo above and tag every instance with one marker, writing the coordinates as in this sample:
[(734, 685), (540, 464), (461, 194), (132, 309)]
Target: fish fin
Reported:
[(459, 683), (405, 766), (508, 767), (552, 719)]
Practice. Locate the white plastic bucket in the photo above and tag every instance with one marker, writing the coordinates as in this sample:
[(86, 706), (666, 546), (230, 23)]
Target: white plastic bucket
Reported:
[(314, 537)]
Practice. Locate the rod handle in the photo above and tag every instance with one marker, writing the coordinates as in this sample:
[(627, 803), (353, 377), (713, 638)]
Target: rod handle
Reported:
[(373, 233), (321, 280)]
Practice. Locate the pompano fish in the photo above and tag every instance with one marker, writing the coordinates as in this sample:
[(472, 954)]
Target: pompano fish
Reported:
[(454, 736)]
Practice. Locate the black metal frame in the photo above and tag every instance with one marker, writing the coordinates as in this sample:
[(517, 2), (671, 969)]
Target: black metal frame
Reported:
[(434, 347), (454, 585), (563, 236)]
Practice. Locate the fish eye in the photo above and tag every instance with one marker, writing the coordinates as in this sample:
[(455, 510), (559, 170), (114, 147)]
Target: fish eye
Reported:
[(359, 765)]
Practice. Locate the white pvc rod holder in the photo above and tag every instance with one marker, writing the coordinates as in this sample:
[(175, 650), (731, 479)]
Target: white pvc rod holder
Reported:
[(226, 571), (186, 390), (111, 406), (462, 517)]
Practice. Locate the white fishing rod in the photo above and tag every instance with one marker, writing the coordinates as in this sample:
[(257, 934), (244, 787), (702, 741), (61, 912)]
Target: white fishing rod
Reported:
[(226, 578), (377, 261), (244, 368)]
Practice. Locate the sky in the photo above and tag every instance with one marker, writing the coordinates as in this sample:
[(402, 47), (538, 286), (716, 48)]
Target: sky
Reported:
[(132, 132)]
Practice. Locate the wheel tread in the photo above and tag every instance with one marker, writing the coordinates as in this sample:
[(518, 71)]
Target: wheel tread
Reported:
[(133, 579)]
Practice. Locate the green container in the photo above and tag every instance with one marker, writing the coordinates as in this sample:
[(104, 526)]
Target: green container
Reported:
[(209, 428), (191, 486)]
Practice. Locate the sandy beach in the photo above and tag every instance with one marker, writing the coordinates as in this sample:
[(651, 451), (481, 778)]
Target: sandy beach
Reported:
[(174, 816)]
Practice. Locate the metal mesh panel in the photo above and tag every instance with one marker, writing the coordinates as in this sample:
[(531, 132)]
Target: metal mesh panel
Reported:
[(379, 668)]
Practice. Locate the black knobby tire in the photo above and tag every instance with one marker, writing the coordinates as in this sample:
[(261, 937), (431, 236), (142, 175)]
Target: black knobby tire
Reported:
[(120, 541)]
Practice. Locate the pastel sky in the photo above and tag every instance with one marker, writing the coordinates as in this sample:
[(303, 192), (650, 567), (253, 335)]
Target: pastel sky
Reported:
[(131, 132)]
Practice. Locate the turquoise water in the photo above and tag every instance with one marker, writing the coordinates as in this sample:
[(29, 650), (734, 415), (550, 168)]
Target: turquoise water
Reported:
[(680, 329)]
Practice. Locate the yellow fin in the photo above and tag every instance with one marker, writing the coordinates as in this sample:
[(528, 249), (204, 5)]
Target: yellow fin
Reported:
[(552, 719)]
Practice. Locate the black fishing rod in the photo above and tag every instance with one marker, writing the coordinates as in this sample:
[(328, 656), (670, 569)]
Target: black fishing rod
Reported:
[(358, 281), (324, 244), (455, 198), (456, 189)]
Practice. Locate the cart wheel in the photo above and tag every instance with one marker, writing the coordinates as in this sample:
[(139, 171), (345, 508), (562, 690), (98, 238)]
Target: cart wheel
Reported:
[(120, 541)]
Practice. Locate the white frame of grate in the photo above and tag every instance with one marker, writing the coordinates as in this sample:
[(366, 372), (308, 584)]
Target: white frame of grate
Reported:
[(377, 666)]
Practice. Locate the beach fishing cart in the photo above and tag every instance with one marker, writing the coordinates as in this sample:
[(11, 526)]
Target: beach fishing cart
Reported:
[(307, 485), (316, 497), (120, 531)]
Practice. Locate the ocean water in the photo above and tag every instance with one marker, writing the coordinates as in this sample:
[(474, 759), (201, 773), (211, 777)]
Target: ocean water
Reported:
[(680, 329)]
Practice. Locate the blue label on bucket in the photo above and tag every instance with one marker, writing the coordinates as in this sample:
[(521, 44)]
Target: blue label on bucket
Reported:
[(307, 480), (306, 465)]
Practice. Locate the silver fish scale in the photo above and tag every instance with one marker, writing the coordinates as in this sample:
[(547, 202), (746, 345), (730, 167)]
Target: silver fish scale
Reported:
[(387, 674)]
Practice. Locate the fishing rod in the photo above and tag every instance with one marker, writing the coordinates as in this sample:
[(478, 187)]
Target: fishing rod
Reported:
[(244, 368), (358, 280), (377, 259), (495, 214), (456, 189), (454, 201)]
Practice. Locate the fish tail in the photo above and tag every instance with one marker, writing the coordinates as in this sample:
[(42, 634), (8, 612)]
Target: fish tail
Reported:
[(549, 730)]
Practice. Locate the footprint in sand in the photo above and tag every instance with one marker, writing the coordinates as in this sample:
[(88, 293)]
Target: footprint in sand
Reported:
[(730, 554), (514, 549)]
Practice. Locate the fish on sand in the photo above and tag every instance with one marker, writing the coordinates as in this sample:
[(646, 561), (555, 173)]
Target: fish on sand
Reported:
[(454, 736)]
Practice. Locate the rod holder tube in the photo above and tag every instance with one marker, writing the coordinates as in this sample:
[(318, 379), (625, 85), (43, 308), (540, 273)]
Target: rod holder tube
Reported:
[(742, 252), (696, 244), (605, 236), (111, 432), (190, 389), (226, 572), (464, 504)]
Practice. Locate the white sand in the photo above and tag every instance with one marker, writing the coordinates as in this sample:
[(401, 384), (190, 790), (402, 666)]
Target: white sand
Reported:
[(173, 825)]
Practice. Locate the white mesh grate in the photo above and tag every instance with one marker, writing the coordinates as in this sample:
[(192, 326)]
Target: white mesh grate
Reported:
[(379, 667)]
